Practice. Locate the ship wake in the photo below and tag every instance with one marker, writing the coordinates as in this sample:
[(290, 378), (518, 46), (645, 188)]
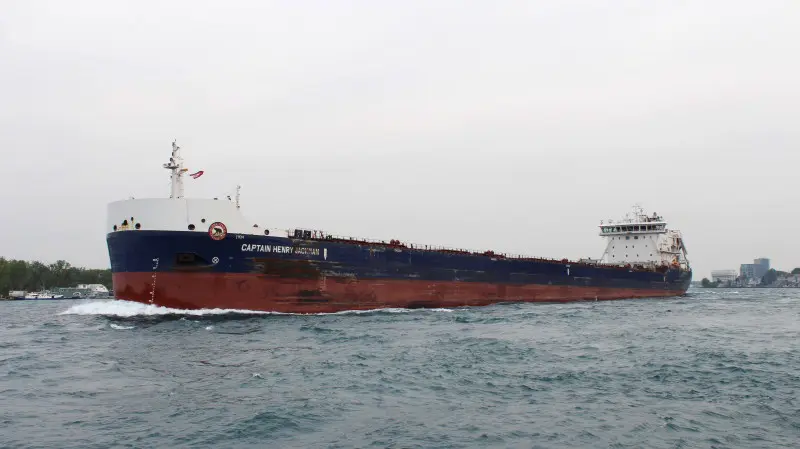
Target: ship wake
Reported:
[(130, 309)]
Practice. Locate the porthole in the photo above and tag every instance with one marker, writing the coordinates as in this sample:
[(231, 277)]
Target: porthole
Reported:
[(266, 231), (138, 226), (191, 227), (203, 220)]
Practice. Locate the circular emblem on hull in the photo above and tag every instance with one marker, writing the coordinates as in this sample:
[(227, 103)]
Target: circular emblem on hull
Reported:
[(217, 230)]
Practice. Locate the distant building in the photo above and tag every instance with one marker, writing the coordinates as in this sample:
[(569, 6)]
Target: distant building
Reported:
[(762, 266), (723, 276), (747, 271), (791, 280), (755, 270)]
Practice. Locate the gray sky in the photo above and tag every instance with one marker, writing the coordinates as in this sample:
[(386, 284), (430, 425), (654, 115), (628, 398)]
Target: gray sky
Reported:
[(514, 126)]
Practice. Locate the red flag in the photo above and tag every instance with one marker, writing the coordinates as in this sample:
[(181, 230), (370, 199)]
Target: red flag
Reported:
[(197, 174)]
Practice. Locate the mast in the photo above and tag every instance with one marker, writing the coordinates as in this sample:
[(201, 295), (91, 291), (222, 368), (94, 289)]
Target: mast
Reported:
[(175, 166), (238, 188)]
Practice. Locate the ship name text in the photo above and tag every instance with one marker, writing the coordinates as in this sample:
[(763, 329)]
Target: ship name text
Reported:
[(254, 247)]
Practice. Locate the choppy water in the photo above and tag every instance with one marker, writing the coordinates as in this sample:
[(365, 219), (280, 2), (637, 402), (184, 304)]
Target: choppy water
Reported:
[(717, 369)]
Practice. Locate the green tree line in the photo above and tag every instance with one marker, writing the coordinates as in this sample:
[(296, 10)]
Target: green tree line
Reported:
[(33, 276)]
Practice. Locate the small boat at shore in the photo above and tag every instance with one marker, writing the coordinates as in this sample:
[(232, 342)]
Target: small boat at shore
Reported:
[(81, 291), (44, 294)]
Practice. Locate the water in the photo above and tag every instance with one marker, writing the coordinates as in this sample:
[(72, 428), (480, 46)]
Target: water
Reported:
[(716, 369)]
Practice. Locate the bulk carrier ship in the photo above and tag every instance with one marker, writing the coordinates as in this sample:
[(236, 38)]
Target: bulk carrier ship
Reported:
[(189, 253)]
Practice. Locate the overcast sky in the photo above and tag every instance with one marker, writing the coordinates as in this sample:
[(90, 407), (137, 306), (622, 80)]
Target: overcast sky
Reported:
[(513, 125)]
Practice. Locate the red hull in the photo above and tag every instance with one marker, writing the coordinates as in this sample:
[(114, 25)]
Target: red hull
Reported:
[(275, 294)]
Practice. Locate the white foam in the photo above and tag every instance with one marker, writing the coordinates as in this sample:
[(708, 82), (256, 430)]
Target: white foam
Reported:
[(117, 326), (126, 309), (387, 310), (121, 308)]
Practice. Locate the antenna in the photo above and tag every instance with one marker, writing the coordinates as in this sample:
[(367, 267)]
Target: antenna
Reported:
[(175, 166)]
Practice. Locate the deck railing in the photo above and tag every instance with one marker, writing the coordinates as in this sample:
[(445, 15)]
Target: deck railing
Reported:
[(393, 243)]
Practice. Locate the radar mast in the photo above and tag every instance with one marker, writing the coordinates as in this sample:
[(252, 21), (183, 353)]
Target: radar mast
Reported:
[(175, 166)]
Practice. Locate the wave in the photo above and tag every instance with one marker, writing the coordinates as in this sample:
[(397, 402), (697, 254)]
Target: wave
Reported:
[(127, 309)]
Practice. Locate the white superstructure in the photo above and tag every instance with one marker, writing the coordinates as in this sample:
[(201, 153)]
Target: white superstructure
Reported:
[(178, 213), (641, 239)]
